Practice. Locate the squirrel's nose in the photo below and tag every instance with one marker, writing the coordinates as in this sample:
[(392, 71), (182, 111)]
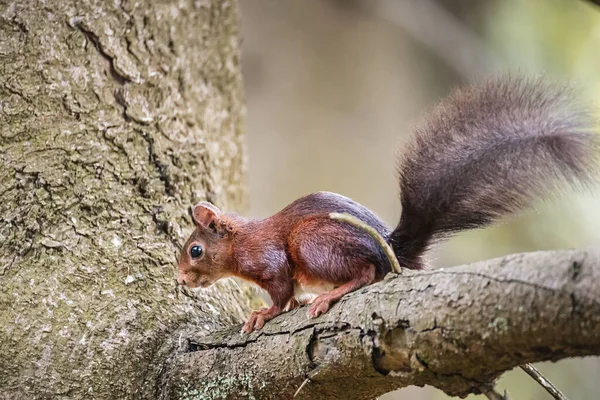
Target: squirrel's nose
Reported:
[(181, 280)]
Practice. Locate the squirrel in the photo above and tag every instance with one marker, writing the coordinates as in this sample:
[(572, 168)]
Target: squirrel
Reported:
[(485, 152)]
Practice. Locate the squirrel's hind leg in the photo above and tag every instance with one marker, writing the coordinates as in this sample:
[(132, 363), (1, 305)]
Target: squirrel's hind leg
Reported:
[(324, 301), (328, 252)]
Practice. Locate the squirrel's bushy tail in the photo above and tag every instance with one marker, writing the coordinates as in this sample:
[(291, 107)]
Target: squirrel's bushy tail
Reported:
[(486, 152)]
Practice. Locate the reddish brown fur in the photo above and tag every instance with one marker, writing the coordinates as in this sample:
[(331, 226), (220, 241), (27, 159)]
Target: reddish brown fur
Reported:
[(485, 152), (300, 244)]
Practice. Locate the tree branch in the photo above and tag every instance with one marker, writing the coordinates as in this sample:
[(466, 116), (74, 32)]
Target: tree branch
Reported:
[(457, 329)]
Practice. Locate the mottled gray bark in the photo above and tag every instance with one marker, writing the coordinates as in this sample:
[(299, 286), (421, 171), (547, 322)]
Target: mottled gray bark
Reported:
[(115, 116), (454, 329)]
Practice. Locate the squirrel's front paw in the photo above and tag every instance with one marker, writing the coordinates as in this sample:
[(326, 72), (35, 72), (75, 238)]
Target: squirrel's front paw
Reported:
[(256, 321), (320, 305)]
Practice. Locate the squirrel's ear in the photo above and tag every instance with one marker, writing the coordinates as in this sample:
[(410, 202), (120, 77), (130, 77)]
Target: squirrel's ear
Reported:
[(205, 214)]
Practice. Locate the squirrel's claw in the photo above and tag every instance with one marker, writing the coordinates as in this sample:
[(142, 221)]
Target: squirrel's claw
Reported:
[(319, 306), (256, 321)]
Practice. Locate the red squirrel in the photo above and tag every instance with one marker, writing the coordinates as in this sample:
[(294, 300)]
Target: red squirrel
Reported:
[(485, 152)]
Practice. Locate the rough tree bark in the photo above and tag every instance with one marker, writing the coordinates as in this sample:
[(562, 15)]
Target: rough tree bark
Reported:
[(457, 329), (115, 116)]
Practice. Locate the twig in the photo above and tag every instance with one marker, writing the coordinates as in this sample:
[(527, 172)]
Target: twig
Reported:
[(545, 383), (301, 386), (491, 394), (389, 252)]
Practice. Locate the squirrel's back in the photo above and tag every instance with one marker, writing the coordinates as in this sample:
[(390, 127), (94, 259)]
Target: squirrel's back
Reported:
[(485, 152)]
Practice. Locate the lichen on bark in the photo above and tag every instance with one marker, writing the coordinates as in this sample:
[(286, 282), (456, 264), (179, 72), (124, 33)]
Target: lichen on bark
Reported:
[(116, 117)]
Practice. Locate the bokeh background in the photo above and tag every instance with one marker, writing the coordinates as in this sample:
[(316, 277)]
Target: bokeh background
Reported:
[(334, 88)]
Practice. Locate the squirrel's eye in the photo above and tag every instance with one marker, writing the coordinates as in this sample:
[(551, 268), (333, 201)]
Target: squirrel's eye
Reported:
[(196, 251)]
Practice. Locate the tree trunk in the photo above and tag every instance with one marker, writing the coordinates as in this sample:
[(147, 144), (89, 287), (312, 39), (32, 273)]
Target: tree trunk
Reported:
[(115, 118)]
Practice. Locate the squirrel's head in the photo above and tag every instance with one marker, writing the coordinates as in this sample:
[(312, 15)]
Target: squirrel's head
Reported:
[(206, 256)]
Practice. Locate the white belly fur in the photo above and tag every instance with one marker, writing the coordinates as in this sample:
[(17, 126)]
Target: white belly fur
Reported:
[(305, 294)]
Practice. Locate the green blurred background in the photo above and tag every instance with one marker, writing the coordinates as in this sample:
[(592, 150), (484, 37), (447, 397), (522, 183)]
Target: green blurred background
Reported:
[(334, 87)]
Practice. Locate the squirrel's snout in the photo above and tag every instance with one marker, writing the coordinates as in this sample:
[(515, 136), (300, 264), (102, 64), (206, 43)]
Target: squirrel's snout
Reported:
[(181, 280)]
